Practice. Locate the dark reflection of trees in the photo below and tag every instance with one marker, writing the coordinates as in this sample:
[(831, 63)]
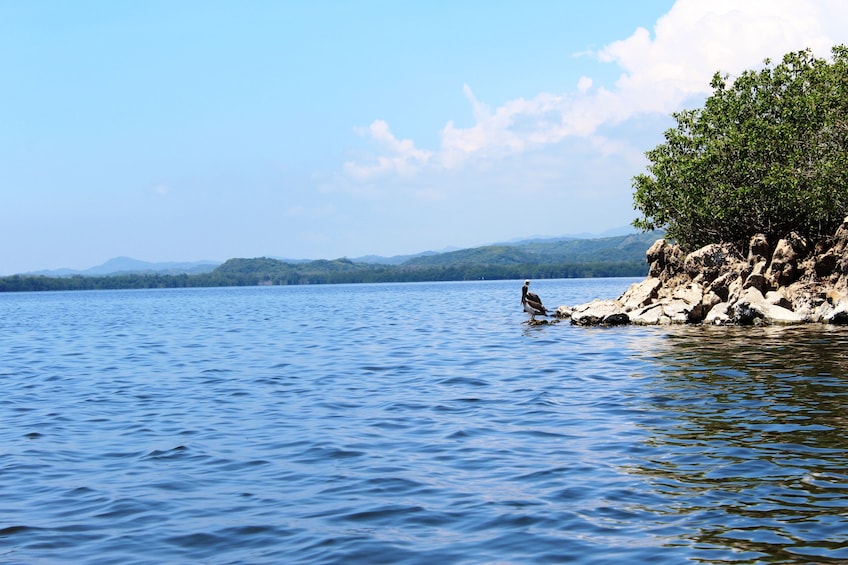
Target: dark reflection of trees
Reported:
[(748, 441)]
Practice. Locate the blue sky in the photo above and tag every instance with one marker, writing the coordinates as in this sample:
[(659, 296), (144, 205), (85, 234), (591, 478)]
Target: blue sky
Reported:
[(201, 129)]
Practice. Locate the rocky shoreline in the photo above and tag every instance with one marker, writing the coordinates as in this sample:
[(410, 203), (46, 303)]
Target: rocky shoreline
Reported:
[(790, 281)]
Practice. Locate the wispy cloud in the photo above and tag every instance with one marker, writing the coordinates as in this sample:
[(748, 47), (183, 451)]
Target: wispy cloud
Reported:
[(397, 156), (661, 71)]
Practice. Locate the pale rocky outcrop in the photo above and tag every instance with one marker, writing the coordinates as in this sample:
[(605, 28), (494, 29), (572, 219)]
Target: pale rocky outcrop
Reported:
[(599, 312), (789, 281)]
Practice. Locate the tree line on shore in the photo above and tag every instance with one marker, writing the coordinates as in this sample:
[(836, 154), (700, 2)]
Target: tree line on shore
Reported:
[(265, 271), (619, 256)]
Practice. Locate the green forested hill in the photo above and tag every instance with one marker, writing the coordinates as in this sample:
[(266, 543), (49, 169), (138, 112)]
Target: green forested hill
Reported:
[(488, 255), (626, 248), (572, 258)]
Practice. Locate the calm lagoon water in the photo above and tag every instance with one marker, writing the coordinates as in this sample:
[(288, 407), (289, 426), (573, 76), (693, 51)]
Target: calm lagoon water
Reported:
[(411, 423)]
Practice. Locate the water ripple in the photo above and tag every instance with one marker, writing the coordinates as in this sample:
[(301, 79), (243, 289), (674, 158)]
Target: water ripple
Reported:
[(236, 425)]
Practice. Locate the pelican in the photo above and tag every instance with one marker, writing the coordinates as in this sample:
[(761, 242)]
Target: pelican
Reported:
[(532, 303)]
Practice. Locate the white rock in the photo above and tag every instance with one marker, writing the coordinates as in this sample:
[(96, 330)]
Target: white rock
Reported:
[(648, 316), (640, 294), (595, 312), (718, 314), (752, 306)]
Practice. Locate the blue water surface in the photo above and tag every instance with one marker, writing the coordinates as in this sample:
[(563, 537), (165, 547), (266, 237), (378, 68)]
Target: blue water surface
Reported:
[(411, 423)]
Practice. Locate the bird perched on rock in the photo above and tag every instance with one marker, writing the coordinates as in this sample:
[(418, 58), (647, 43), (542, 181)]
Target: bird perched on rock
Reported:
[(531, 302)]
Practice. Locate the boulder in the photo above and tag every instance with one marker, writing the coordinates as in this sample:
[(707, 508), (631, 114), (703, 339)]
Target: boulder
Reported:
[(599, 312), (794, 281), (563, 312), (736, 286), (778, 315), (757, 277), (838, 317), (825, 263), (665, 259), (719, 314), (722, 285), (678, 311), (778, 298), (840, 248), (686, 304), (840, 238), (753, 308), (649, 315), (640, 294), (710, 300), (617, 319), (708, 262), (834, 296), (836, 307), (784, 261), (758, 249)]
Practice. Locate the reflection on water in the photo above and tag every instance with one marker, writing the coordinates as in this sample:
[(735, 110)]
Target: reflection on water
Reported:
[(757, 462)]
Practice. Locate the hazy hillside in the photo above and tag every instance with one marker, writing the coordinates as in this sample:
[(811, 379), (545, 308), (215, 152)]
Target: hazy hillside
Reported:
[(128, 265), (625, 248), (620, 256)]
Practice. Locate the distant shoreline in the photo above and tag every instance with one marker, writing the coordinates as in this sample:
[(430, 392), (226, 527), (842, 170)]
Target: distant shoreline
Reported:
[(256, 272), (620, 256)]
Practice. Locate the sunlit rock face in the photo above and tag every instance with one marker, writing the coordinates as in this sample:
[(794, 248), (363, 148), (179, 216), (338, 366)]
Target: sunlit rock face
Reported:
[(789, 281)]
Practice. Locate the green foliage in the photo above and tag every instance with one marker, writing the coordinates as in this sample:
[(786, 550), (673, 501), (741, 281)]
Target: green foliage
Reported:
[(767, 154)]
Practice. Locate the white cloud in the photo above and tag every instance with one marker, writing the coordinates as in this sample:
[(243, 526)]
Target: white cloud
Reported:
[(399, 156), (660, 73), (696, 39), (515, 127)]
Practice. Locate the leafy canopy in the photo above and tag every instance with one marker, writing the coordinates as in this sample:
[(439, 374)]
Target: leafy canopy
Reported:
[(767, 154)]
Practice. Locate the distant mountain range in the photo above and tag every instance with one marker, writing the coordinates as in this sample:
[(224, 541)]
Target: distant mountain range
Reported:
[(538, 258), (395, 259), (128, 265), (565, 249)]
